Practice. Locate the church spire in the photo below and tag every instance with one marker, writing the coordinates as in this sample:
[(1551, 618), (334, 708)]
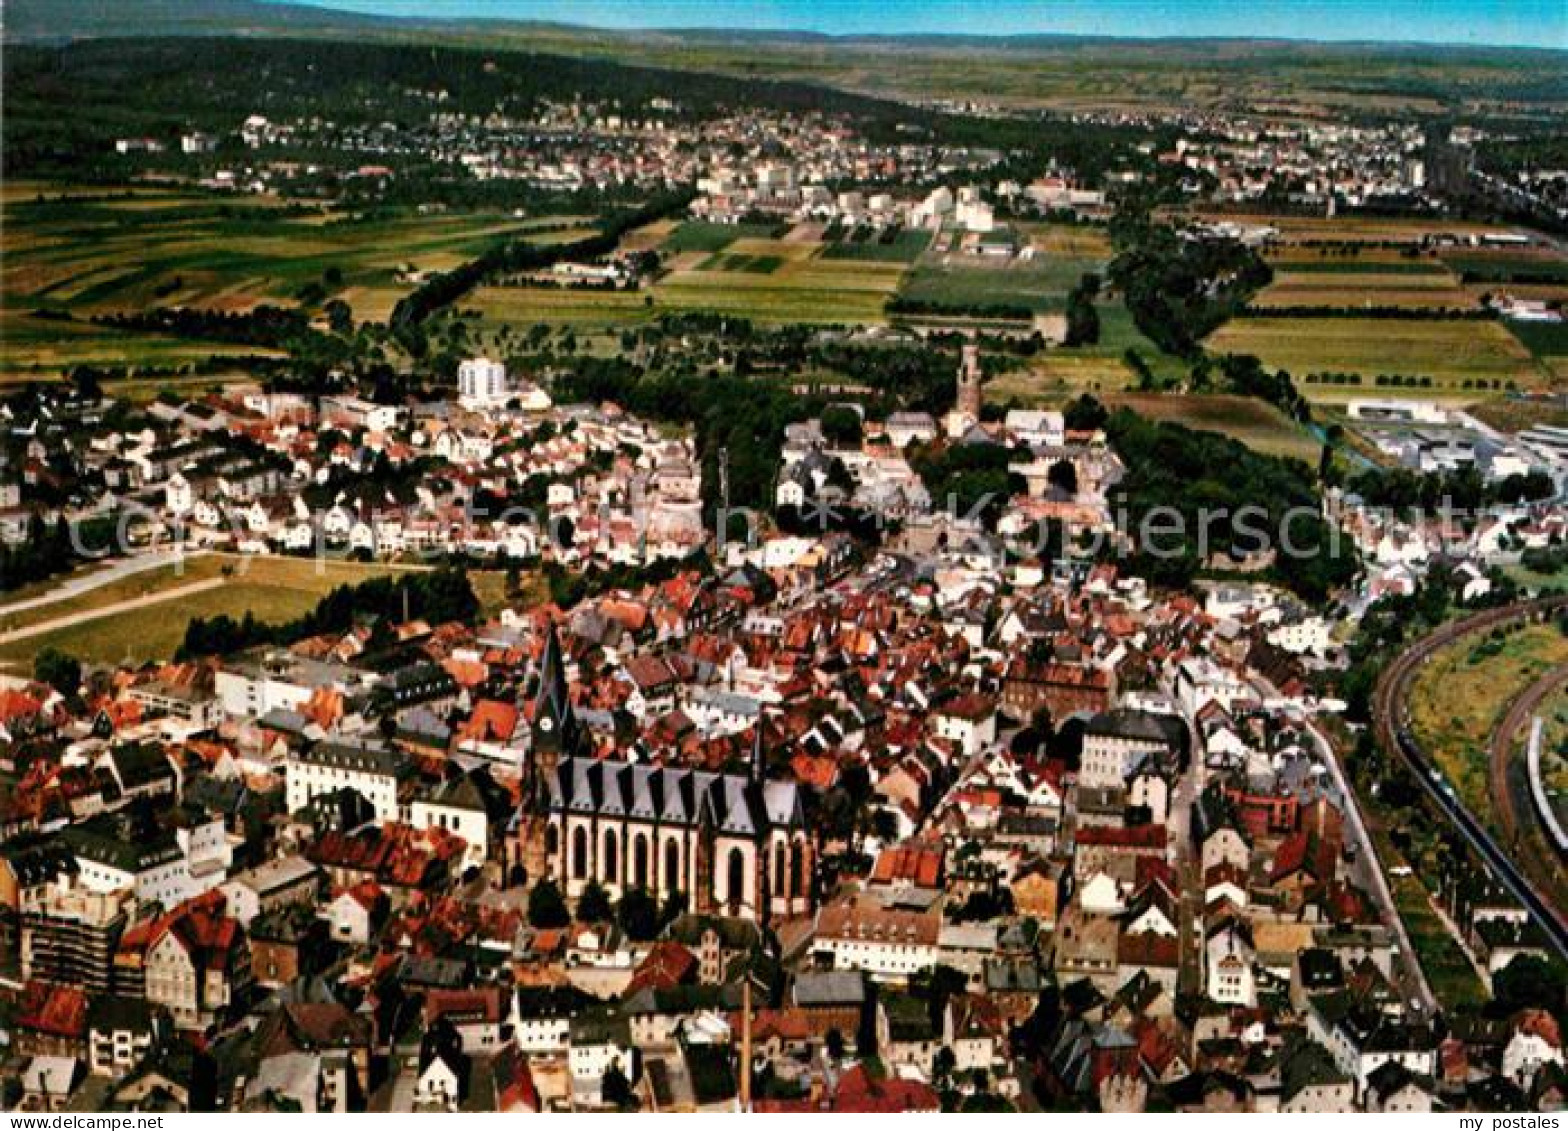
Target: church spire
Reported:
[(759, 757), (555, 729)]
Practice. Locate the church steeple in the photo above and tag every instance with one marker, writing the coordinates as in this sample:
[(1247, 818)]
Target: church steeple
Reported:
[(555, 727), (759, 757)]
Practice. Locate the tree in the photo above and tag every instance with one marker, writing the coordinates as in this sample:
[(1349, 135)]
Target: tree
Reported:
[(1528, 981), (1085, 415), (1064, 474), (835, 1043), (59, 670), (546, 908), (593, 905), (616, 1090), (1083, 320), (943, 1065), (638, 915), (841, 425)]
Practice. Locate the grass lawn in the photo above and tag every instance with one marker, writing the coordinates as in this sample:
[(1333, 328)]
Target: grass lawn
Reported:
[(1447, 968), (1535, 581), (1464, 691), (1515, 415), (1450, 352), (274, 589), (1255, 423)]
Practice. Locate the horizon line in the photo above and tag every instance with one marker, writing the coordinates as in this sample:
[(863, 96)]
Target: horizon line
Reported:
[(351, 8)]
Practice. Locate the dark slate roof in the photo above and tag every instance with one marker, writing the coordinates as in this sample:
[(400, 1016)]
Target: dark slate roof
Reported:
[(731, 803)]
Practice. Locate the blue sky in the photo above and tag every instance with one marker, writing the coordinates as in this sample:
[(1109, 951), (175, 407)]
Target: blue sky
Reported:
[(1538, 23)]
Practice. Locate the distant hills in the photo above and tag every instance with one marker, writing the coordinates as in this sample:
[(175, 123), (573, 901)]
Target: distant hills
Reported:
[(42, 20), (1069, 72)]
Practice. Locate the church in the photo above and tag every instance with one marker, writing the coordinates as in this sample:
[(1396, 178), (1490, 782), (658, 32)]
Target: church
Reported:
[(734, 844)]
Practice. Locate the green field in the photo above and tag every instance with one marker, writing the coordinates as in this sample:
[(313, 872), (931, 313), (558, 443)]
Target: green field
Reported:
[(1365, 285), (1502, 266), (701, 235), (42, 348), (1543, 339), (1061, 373), (1450, 352), (1040, 284), (774, 280), (1254, 422), (121, 252), (559, 306), (273, 589), (1358, 265), (1463, 692), (751, 264), (902, 247)]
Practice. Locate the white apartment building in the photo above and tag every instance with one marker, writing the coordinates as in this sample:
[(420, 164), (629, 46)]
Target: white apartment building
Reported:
[(373, 772), (481, 382)]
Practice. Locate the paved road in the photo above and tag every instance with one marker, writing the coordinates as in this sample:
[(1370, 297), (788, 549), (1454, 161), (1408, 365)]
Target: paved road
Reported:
[(97, 579), (1391, 721), (124, 606), (1368, 868)]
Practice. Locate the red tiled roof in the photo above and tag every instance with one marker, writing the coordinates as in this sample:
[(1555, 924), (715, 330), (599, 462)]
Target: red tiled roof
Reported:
[(917, 864), (1107, 836)]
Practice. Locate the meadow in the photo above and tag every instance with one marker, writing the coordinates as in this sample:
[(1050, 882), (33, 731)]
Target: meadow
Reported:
[(1254, 422), (1449, 352), (774, 280), (1418, 285), (1039, 284), (273, 589), (904, 246), (129, 251), (1355, 229), (1463, 692)]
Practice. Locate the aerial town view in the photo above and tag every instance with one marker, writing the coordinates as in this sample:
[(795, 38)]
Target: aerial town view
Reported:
[(805, 556)]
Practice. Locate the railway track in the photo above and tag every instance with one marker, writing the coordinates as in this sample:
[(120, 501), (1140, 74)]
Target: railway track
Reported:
[(1524, 708), (1391, 722)]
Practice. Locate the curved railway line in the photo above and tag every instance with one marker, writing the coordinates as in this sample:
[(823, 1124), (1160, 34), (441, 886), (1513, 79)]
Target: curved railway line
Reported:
[(1391, 720), (1500, 752)]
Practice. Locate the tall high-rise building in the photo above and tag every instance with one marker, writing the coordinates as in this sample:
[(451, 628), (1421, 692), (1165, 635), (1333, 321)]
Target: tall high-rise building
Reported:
[(481, 382)]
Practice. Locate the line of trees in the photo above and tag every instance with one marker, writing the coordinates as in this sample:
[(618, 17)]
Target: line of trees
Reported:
[(437, 596), (512, 257)]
